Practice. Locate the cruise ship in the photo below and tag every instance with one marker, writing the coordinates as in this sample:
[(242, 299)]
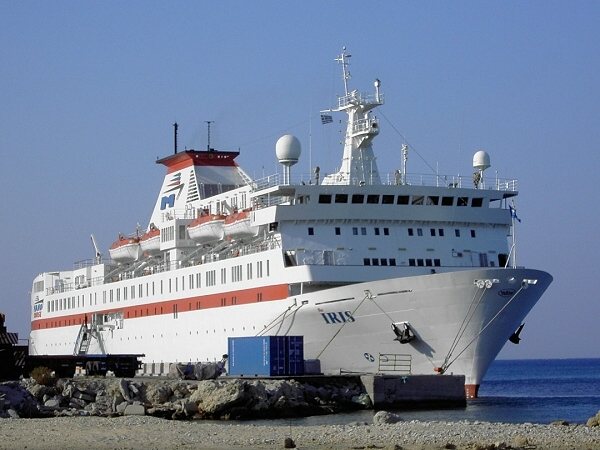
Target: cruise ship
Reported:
[(380, 273)]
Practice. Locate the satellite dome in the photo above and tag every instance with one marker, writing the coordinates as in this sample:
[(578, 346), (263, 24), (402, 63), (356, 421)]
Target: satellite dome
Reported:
[(481, 160), (288, 149)]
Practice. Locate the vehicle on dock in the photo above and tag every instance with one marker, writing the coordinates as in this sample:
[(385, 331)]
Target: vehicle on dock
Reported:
[(16, 361)]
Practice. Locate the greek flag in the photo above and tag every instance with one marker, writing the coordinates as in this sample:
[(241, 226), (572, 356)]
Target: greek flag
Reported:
[(513, 212), (326, 118)]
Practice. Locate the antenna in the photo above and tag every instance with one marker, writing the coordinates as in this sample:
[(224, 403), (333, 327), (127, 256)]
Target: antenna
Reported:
[(342, 59), (208, 122), (404, 160), (175, 127)]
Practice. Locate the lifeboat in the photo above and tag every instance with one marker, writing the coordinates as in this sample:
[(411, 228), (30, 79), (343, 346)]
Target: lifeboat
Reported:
[(207, 228), (125, 249), (239, 225), (150, 241)]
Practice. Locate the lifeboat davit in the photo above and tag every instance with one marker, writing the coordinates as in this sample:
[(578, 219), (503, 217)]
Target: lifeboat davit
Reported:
[(239, 225), (125, 249), (207, 228), (150, 241)]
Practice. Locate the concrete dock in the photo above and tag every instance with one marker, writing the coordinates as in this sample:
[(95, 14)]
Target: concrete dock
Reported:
[(415, 391)]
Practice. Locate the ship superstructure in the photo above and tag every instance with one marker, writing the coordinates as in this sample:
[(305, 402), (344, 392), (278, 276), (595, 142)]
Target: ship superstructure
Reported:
[(379, 273)]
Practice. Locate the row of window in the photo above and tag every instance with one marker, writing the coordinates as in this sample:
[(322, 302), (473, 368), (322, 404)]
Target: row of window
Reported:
[(389, 199), (385, 231), (172, 285), (379, 261), (424, 262), (438, 232)]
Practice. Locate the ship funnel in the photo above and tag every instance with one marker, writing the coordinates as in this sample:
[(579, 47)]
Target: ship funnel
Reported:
[(288, 152)]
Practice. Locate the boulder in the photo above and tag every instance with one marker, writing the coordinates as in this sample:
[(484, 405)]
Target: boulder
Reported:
[(594, 421), (385, 417), (135, 409), (158, 393)]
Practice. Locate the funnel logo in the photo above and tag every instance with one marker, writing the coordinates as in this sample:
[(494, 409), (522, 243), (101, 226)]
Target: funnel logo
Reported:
[(172, 192), (38, 307)]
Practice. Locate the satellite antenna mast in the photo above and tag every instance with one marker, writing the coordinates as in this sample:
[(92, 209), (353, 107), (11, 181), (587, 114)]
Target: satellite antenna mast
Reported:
[(342, 59), (208, 122), (404, 160), (175, 127)]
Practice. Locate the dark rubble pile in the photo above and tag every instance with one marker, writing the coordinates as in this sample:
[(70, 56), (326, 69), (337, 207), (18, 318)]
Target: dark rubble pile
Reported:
[(179, 399)]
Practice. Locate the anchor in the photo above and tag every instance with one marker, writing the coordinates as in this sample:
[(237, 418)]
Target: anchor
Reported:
[(515, 338), (403, 332)]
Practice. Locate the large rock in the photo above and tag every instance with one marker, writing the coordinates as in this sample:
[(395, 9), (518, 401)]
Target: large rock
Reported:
[(18, 400), (158, 393), (385, 417), (594, 421), (135, 409)]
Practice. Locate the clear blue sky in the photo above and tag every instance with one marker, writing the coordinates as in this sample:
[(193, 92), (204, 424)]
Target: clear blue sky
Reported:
[(89, 90)]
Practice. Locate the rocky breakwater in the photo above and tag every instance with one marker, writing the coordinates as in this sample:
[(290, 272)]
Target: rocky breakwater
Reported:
[(180, 399)]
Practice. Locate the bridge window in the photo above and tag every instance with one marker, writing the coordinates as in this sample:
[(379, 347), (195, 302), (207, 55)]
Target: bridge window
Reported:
[(402, 200), (417, 200), (433, 200), (358, 198), (373, 199), (477, 202), (338, 231), (447, 201), (341, 198), (324, 198), (311, 231), (462, 201), (387, 199)]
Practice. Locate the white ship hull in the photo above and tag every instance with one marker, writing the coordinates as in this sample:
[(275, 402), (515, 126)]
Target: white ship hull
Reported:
[(368, 269), (346, 328)]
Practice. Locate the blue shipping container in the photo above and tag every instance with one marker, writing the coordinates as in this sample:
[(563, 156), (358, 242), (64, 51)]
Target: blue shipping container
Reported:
[(266, 355), (294, 358)]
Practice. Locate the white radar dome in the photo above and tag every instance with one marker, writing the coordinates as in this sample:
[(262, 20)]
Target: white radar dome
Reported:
[(481, 160), (288, 149)]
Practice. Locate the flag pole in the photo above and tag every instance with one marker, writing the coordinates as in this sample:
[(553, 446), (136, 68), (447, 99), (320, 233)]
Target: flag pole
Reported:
[(310, 145)]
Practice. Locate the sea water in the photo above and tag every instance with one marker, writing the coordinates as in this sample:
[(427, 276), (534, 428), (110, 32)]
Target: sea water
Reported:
[(513, 391)]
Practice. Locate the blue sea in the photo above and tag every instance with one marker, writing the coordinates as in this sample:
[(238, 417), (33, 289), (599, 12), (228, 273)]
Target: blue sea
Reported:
[(514, 391)]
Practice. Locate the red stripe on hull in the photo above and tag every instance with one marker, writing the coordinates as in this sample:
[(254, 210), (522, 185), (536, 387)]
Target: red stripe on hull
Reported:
[(232, 298)]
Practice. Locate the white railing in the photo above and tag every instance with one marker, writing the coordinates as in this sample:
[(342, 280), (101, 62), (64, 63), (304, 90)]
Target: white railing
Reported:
[(365, 126), (395, 178), (356, 98)]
